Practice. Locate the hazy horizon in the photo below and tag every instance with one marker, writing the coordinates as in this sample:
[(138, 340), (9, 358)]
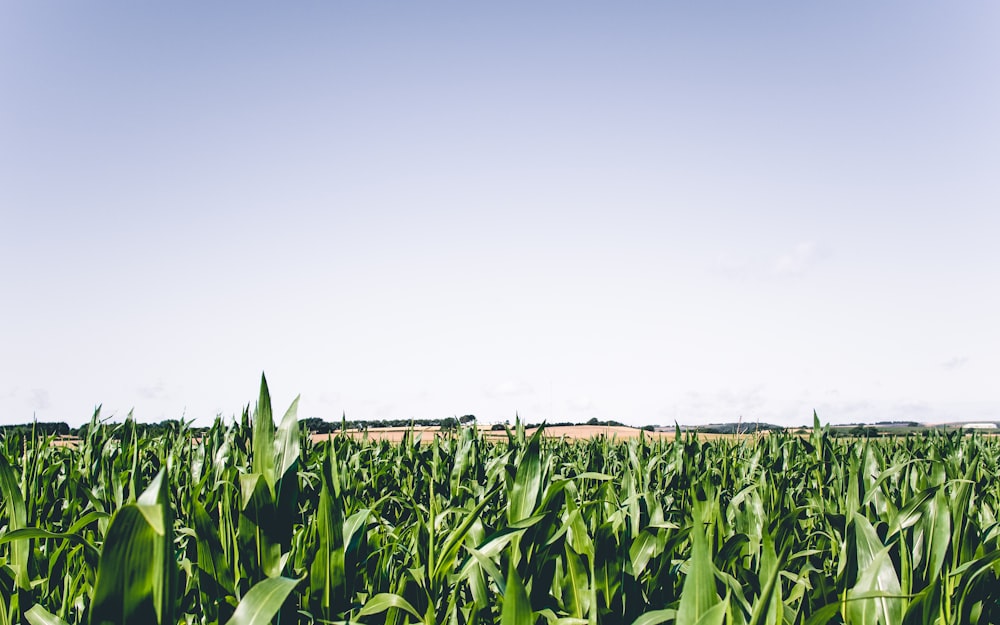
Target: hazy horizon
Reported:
[(649, 213)]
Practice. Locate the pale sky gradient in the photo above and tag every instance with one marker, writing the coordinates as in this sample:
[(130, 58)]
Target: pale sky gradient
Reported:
[(649, 212)]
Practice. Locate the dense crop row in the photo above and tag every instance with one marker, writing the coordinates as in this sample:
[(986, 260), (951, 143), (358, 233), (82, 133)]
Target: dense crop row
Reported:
[(254, 524)]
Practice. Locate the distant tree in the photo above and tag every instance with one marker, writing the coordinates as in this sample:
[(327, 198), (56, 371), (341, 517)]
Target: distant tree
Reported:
[(317, 426), (40, 428), (862, 431)]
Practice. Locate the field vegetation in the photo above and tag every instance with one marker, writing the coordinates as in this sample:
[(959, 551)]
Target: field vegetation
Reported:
[(249, 522)]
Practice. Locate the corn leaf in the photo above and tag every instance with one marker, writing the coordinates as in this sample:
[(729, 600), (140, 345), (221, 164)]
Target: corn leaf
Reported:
[(263, 602)]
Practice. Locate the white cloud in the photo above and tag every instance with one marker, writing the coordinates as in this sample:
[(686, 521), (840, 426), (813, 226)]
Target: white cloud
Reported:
[(509, 388), (910, 410), (955, 363), (39, 399), (721, 405), (730, 266), (329, 398), (377, 409), (797, 261), (581, 404), (155, 391)]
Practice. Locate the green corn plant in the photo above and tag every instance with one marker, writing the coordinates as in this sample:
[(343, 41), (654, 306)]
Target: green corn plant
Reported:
[(137, 575), (269, 492), (260, 525)]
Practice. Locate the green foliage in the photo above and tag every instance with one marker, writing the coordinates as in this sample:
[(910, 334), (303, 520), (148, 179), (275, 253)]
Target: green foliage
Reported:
[(136, 577), (252, 522)]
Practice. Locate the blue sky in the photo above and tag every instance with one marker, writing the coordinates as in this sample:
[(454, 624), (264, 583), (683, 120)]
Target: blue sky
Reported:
[(651, 212)]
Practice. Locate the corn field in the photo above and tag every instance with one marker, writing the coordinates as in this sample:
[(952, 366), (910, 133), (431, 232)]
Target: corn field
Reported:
[(252, 523)]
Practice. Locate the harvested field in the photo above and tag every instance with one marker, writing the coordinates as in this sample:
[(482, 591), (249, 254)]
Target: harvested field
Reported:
[(574, 432)]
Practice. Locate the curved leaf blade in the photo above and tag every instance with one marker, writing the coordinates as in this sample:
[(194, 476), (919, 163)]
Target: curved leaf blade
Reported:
[(263, 601)]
